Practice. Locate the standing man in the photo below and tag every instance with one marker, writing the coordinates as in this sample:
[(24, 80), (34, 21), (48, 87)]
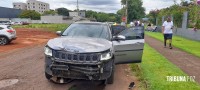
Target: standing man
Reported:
[(167, 32)]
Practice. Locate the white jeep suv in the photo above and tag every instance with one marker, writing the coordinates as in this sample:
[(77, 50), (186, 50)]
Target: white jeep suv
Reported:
[(7, 34)]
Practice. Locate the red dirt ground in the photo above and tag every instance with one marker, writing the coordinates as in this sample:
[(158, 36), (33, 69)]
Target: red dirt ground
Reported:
[(28, 37)]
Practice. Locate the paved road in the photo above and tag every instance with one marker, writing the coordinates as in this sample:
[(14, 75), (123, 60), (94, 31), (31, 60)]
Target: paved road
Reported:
[(27, 65)]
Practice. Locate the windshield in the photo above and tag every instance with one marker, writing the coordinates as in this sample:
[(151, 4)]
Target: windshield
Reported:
[(87, 30)]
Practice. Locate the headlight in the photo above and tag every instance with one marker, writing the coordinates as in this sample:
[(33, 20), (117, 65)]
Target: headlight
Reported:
[(47, 51), (106, 56)]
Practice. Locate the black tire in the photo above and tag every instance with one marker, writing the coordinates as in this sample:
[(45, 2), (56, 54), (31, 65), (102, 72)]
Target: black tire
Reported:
[(110, 80), (48, 76), (3, 40)]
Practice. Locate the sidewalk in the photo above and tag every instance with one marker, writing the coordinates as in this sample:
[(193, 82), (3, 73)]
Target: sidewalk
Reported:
[(189, 63)]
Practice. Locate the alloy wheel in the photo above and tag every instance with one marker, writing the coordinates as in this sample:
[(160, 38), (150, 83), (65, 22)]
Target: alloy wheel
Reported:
[(3, 41)]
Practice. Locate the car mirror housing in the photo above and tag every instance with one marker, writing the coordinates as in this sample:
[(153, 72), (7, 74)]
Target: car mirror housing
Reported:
[(119, 38), (59, 33)]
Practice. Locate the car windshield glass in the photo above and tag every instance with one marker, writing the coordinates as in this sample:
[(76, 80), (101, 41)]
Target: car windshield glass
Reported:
[(87, 30)]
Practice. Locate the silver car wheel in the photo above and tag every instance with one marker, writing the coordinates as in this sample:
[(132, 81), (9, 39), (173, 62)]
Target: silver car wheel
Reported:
[(3, 41)]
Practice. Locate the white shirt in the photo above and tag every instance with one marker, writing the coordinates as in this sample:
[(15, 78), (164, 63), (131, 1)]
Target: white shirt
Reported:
[(168, 27)]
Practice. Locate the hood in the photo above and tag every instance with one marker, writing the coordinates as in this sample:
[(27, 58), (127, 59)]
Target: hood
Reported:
[(79, 45)]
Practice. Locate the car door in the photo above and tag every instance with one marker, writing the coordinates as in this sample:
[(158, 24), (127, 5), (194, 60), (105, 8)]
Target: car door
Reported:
[(130, 50)]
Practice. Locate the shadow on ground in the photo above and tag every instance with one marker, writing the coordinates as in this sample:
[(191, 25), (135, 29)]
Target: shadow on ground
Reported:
[(88, 85)]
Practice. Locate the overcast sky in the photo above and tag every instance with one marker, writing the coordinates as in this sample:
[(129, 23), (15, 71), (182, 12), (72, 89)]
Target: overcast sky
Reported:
[(109, 6)]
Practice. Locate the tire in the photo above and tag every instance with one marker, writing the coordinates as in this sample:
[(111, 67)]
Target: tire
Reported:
[(3, 40), (48, 76), (110, 80)]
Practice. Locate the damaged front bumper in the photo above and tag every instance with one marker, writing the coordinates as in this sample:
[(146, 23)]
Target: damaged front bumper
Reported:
[(77, 70)]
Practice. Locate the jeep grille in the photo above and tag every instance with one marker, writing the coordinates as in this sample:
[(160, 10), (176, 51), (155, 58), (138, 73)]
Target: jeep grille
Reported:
[(77, 57)]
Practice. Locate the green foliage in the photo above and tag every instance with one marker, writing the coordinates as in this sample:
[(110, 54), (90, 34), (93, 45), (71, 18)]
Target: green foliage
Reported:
[(51, 12), (30, 14), (102, 17), (91, 14), (154, 71), (63, 11), (177, 12), (135, 9), (51, 27), (123, 2), (121, 12), (184, 44), (153, 15)]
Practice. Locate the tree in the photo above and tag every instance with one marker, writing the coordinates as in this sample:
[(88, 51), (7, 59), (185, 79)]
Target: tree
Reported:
[(51, 12), (123, 2), (91, 14), (63, 11), (121, 12), (102, 17), (135, 9), (185, 3), (153, 15), (30, 14)]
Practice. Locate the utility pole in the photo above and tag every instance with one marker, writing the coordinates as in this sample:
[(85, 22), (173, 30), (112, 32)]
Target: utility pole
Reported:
[(77, 8), (126, 11)]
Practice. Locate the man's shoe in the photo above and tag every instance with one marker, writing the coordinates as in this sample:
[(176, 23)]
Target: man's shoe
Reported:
[(170, 48)]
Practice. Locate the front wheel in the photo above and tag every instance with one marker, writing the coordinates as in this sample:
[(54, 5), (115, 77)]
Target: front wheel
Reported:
[(3, 41), (110, 80)]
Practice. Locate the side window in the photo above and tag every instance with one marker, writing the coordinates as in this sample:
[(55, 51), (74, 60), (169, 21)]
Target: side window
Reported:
[(133, 33), (117, 29)]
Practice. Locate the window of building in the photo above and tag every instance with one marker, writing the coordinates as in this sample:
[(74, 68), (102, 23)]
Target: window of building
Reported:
[(33, 6), (28, 3), (33, 3), (14, 5)]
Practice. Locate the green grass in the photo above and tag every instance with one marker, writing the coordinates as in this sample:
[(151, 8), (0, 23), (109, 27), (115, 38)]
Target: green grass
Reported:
[(184, 44), (51, 27), (154, 69)]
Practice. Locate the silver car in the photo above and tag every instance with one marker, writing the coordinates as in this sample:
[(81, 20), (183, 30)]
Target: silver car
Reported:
[(7, 34), (87, 50)]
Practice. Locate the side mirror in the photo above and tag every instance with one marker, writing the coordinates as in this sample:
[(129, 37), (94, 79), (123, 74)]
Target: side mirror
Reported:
[(59, 33), (119, 38)]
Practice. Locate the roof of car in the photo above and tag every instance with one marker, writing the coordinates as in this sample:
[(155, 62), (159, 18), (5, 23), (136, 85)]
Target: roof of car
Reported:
[(3, 25), (90, 22)]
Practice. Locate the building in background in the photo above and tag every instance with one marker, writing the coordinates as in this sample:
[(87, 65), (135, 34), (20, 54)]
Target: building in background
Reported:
[(38, 6), (20, 5), (9, 12), (35, 5), (76, 14)]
